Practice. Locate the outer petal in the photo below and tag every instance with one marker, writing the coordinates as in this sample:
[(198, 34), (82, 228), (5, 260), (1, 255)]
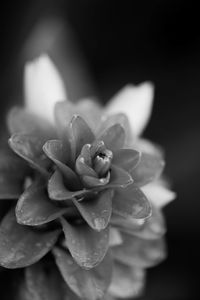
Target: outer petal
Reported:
[(86, 246), (22, 246), (87, 284), (136, 102), (127, 281), (44, 282), (35, 208), (140, 252), (97, 209), (43, 87)]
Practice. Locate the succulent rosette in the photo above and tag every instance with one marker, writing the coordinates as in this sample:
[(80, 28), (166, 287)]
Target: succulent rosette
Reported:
[(83, 193)]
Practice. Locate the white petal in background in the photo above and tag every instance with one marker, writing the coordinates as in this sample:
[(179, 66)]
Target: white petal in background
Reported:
[(136, 102), (158, 193), (43, 87)]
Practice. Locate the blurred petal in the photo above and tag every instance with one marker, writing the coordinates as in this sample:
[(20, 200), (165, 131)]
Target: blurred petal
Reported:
[(86, 246), (115, 237), (43, 282), (87, 284), (29, 147), (149, 168), (43, 87), (20, 245), (126, 281), (140, 252), (21, 121), (97, 209), (158, 194), (35, 208), (136, 102)]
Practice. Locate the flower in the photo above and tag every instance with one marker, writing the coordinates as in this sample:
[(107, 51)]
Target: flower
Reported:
[(82, 177)]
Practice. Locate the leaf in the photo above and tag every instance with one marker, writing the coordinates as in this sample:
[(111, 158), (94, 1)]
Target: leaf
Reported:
[(140, 252), (58, 191), (149, 169), (86, 246), (87, 284), (127, 282), (81, 134), (97, 209), (35, 208), (113, 137), (131, 202), (126, 159), (30, 148), (21, 246)]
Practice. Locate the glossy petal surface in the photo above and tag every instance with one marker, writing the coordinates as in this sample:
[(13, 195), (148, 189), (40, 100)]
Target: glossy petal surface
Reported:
[(149, 169), (97, 209), (131, 202), (21, 246), (35, 208), (86, 246), (87, 284)]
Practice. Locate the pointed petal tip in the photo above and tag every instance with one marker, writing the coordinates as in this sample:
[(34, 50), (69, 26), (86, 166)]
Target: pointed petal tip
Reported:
[(136, 102)]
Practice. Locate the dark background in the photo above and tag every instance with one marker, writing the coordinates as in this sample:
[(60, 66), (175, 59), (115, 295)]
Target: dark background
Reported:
[(131, 42)]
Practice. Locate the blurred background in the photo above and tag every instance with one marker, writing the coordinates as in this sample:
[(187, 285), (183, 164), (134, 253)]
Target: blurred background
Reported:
[(101, 45)]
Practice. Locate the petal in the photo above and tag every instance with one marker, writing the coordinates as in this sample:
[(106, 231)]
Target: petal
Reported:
[(86, 108), (43, 87), (115, 237), (21, 246), (127, 224), (126, 159), (87, 284), (35, 208), (113, 137), (81, 134), (154, 228), (131, 202), (86, 246), (58, 191), (158, 193), (94, 182), (21, 121), (97, 209), (11, 180), (30, 148), (136, 102), (58, 153), (110, 120), (82, 168), (140, 252), (119, 178), (44, 282), (149, 169), (10, 186), (126, 281)]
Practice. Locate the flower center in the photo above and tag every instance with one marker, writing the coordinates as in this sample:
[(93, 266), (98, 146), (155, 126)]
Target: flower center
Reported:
[(102, 162)]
